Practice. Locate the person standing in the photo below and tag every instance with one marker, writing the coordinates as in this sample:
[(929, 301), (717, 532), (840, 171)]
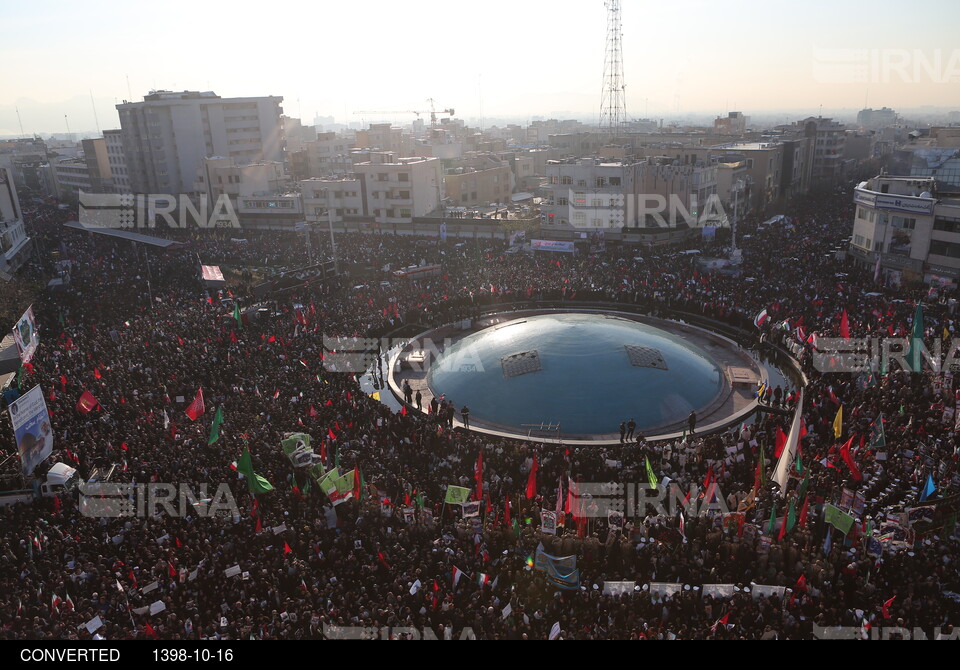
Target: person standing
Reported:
[(692, 421), (419, 400), (631, 427), (623, 431), (465, 413)]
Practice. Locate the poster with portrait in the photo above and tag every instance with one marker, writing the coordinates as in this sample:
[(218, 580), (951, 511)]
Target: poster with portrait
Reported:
[(31, 427), (25, 334)]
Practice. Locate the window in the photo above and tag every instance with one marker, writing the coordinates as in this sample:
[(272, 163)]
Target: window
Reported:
[(566, 181), (562, 202), (948, 249), (404, 176), (600, 182), (947, 224), (615, 181)]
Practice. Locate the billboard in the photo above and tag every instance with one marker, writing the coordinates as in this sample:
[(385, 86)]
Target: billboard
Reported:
[(553, 245), (25, 333), (31, 427)]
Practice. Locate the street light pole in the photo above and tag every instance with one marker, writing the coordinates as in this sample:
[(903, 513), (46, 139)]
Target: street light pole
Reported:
[(333, 244), (737, 188)]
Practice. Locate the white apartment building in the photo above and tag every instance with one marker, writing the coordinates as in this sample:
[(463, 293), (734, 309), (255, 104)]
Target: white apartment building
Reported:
[(589, 194), (14, 243), (332, 199), (118, 165), (912, 229), (166, 137), (397, 190)]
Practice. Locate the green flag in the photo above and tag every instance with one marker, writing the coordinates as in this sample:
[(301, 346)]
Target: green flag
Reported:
[(256, 483), (878, 439), (457, 495), (652, 478), (792, 515), (916, 342), (800, 468), (336, 458), (773, 517), (803, 487), (236, 315), (363, 484), (63, 324), (419, 501), (215, 427), (838, 519)]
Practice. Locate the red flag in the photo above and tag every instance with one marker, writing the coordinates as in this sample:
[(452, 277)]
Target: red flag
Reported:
[(196, 408), (720, 622), (803, 512), (848, 459), (96, 373), (885, 609), (287, 549), (506, 512), (313, 411), (783, 525), (403, 410), (532, 479), (172, 571), (781, 441), (63, 384), (845, 326), (86, 403), (148, 629), (133, 578), (330, 434)]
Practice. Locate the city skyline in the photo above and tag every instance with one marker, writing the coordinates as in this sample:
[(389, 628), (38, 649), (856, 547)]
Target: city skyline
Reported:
[(761, 60)]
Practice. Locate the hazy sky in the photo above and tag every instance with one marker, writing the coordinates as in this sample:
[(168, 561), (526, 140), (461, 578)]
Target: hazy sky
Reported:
[(526, 58)]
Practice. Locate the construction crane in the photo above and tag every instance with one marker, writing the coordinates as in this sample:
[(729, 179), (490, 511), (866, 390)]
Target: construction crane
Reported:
[(433, 112)]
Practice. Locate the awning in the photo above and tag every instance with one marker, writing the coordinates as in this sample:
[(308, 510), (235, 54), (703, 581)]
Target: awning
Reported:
[(125, 235)]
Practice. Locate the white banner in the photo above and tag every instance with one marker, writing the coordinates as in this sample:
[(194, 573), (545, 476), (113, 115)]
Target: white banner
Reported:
[(26, 336), (31, 427), (552, 245)]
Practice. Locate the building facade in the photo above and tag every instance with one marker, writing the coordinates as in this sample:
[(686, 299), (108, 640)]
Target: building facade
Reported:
[(398, 189), (167, 136), (14, 243), (912, 229)]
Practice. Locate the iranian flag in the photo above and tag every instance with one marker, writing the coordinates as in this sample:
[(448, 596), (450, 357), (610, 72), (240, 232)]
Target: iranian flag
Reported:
[(761, 319), (483, 579), (457, 574), (196, 408)]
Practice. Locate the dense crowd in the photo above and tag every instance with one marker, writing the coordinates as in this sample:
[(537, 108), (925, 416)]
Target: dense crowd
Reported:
[(308, 569)]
